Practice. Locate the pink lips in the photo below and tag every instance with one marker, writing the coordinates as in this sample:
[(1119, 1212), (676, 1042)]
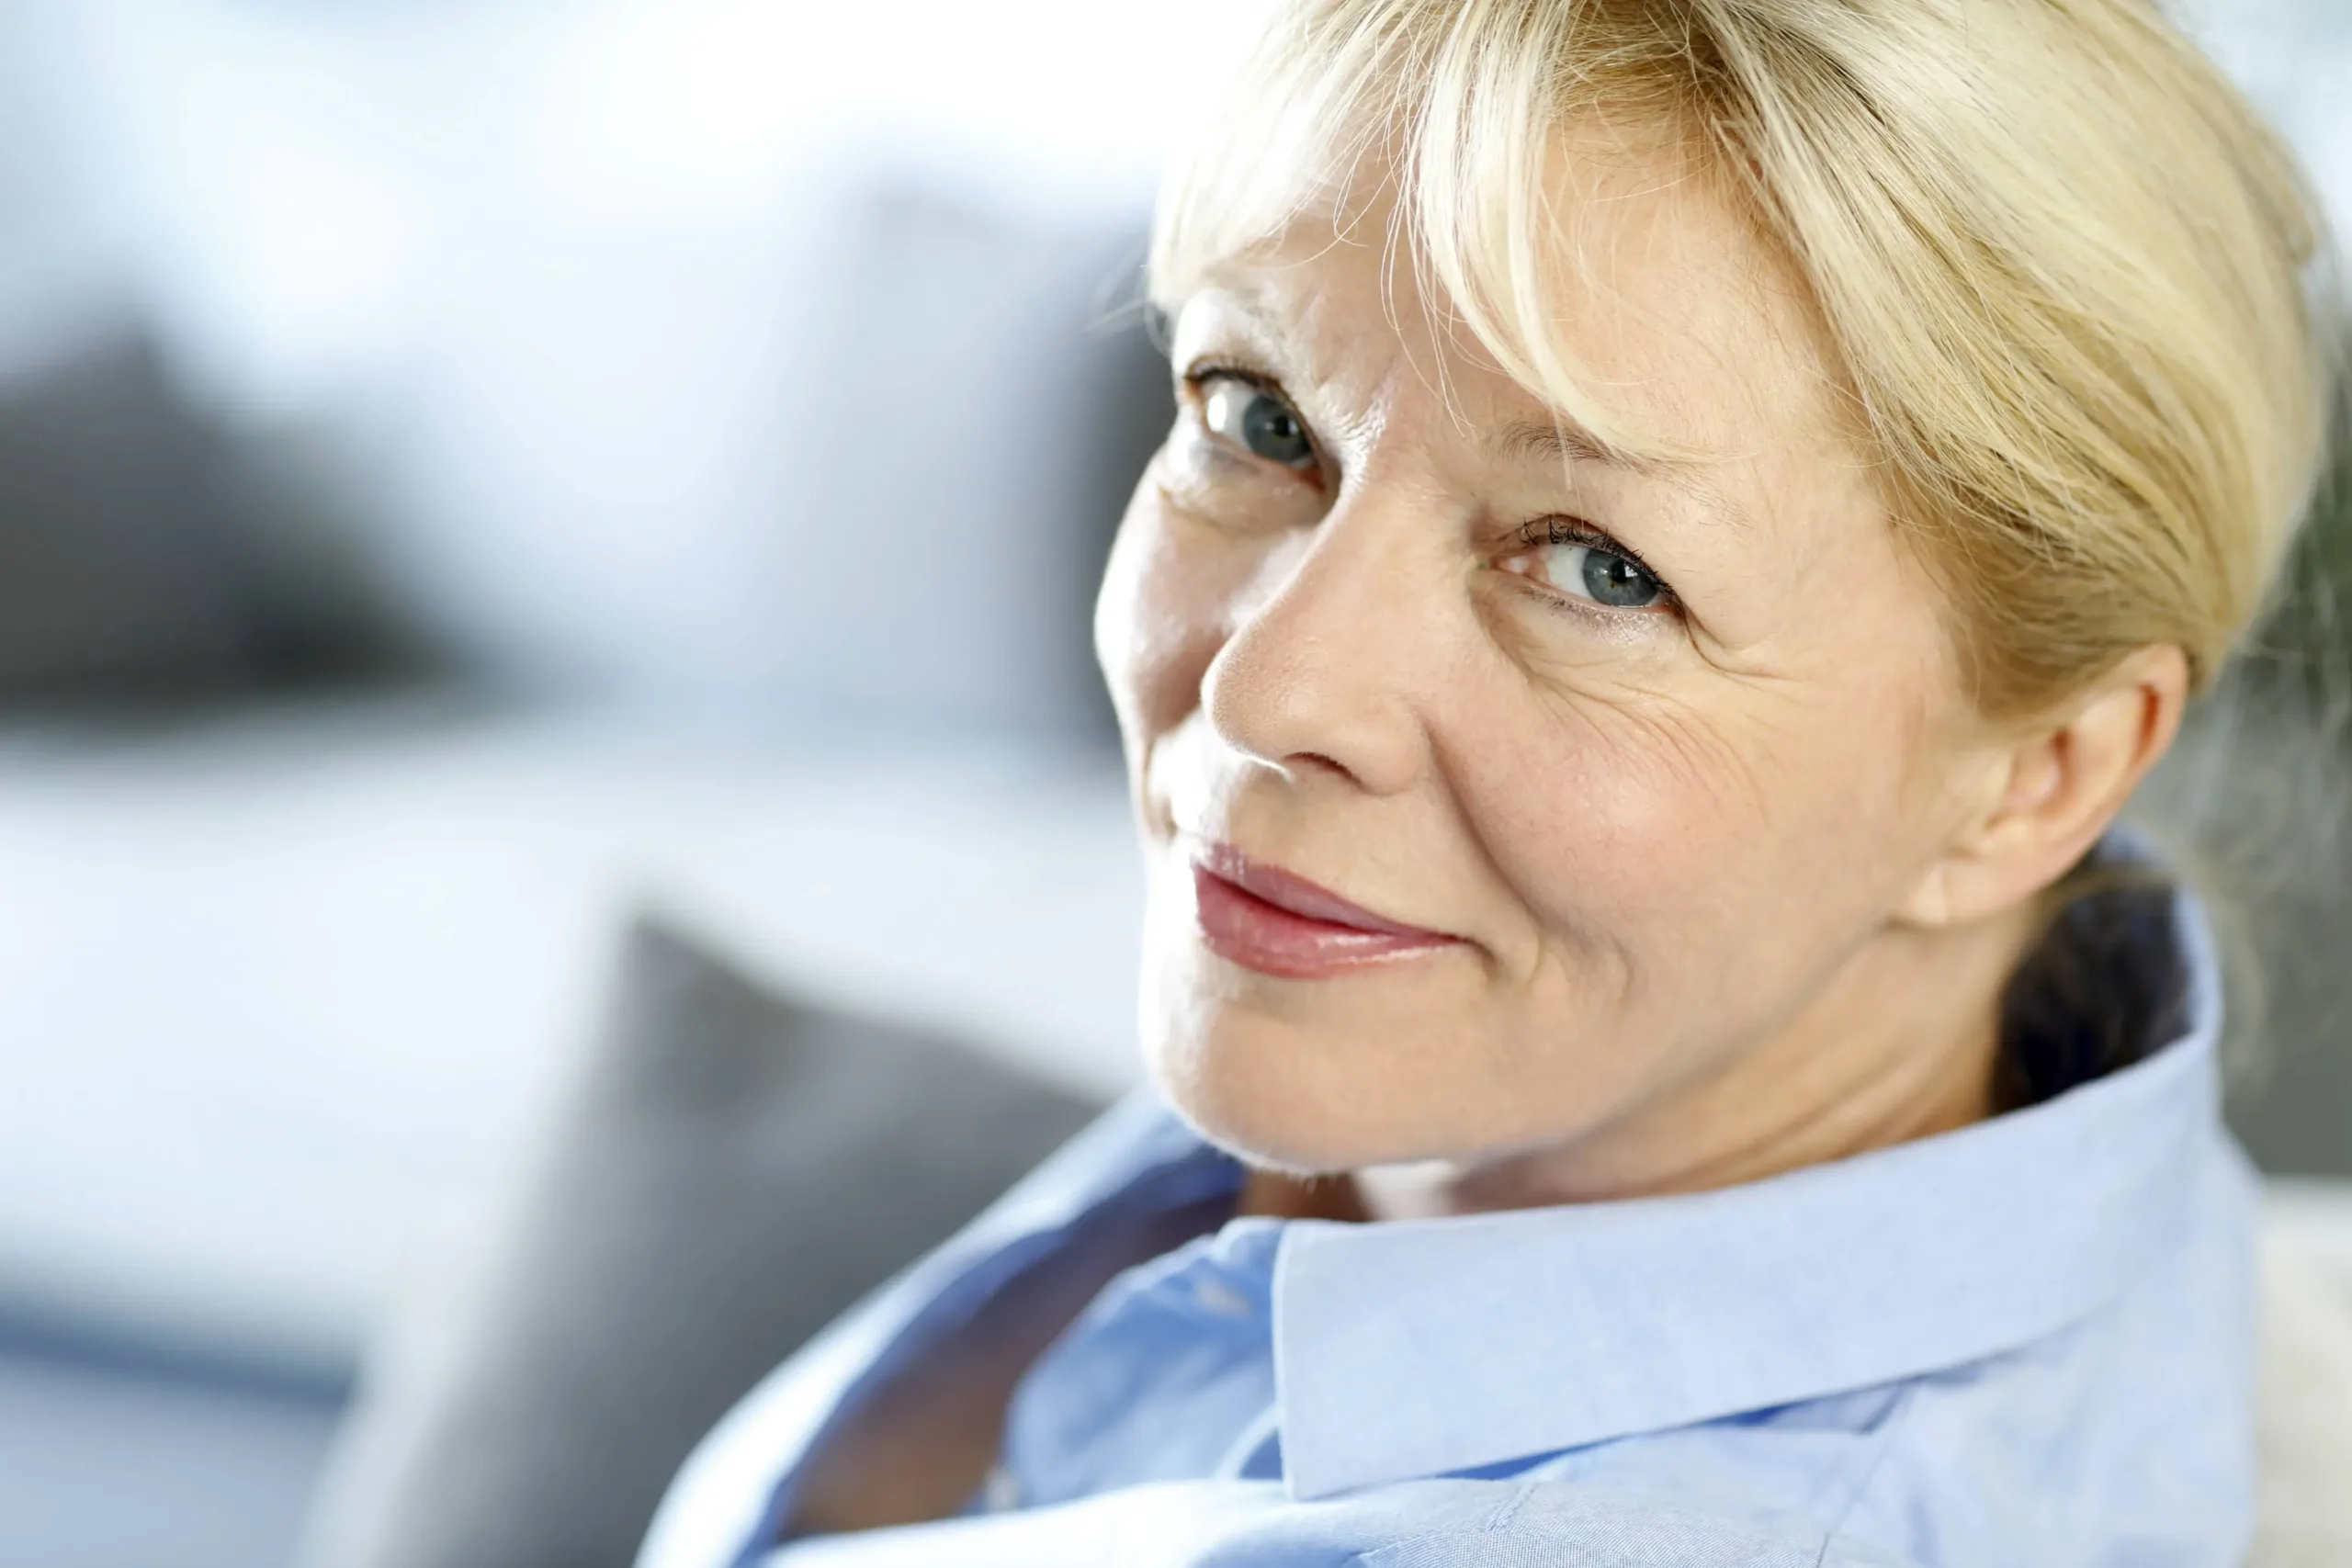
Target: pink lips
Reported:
[(1265, 918)]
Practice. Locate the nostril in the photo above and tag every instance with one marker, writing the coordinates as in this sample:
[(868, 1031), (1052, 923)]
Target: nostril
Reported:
[(1317, 762)]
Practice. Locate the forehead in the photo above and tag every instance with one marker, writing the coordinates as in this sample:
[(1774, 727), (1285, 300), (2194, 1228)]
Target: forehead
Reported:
[(1661, 300)]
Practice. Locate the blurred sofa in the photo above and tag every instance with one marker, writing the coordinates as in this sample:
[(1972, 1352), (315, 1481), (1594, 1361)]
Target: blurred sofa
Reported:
[(336, 738)]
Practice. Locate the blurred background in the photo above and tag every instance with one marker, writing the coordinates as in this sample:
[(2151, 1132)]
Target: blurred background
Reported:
[(474, 468)]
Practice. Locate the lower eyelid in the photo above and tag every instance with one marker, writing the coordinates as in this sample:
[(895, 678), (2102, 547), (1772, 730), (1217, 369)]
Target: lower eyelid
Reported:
[(1256, 467), (1234, 490)]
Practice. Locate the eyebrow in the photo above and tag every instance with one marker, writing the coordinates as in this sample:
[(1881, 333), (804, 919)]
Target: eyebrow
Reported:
[(1562, 439), (1268, 326), (1555, 440)]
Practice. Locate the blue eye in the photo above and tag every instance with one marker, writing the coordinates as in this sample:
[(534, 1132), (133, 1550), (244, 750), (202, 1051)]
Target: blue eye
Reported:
[(1587, 569), (1613, 581), (1258, 421)]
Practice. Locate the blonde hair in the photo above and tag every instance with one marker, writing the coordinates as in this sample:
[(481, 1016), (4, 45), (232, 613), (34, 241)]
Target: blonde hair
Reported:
[(2066, 267)]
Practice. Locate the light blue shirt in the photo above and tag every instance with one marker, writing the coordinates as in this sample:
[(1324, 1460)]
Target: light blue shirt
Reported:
[(2027, 1342)]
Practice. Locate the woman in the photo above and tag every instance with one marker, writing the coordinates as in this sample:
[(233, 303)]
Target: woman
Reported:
[(1688, 521)]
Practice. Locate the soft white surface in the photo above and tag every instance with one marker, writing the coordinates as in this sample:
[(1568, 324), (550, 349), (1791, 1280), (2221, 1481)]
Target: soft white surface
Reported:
[(2312, 1220), (2306, 1410), (275, 997)]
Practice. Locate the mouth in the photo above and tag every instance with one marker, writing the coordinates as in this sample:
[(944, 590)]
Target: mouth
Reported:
[(1268, 919)]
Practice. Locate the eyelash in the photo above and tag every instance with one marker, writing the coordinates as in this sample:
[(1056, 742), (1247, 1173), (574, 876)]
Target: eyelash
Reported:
[(1545, 531), (1217, 370), (1542, 531)]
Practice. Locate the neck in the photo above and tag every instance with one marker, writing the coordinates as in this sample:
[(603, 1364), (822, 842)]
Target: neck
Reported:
[(1902, 1044)]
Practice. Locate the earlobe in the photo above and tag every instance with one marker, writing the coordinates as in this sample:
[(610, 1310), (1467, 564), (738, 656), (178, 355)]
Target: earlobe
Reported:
[(2061, 786), (1954, 888), (1929, 905)]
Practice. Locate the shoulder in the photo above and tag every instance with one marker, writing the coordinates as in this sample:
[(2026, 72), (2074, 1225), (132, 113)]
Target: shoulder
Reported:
[(2050, 1441)]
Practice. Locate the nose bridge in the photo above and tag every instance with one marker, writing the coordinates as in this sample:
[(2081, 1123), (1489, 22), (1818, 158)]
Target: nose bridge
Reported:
[(1329, 666)]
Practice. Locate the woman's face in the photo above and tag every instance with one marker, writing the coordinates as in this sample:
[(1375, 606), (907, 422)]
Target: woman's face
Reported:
[(1498, 791)]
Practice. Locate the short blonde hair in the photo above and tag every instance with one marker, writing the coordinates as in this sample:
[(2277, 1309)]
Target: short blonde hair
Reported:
[(2067, 267)]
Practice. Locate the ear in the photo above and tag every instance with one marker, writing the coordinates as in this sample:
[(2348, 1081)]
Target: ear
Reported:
[(2052, 791)]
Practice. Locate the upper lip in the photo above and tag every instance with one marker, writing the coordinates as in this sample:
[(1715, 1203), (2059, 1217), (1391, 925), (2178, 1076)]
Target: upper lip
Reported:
[(1288, 890)]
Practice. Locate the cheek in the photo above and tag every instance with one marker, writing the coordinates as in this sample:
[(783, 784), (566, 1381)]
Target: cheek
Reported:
[(1155, 622), (1670, 832), (1176, 586)]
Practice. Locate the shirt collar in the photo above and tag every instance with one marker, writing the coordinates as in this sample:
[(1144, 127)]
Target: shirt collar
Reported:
[(1509, 1336), (1512, 1335)]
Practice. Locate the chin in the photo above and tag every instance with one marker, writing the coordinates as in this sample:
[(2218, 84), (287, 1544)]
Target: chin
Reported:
[(1260, 1117), (1286, 1095)]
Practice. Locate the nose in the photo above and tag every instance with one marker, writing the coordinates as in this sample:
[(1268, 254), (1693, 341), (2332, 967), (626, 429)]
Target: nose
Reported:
[(1329, 674)]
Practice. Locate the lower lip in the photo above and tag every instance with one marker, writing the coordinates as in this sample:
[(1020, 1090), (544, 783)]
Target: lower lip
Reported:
[(1244, 929)]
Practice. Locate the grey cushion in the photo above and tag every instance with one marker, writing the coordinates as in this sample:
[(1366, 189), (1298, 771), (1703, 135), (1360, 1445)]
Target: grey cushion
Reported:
[(736, 1170), (148, 551), (118, 569)]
